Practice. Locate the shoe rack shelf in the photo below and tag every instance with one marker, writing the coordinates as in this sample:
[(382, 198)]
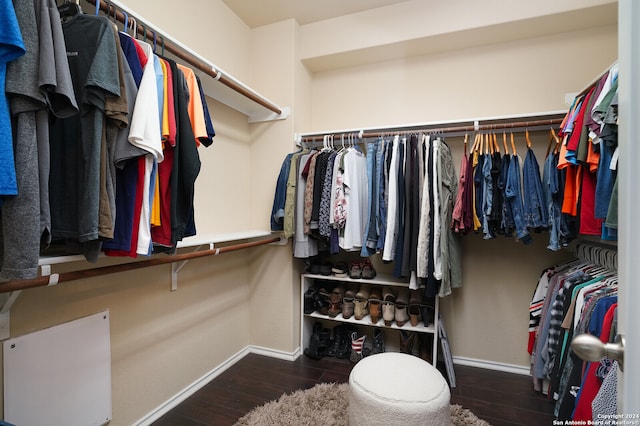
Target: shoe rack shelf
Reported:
[(307, 320)]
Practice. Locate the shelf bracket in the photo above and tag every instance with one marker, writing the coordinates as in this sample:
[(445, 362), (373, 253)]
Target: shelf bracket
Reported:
[(176, 267), (8, 299)]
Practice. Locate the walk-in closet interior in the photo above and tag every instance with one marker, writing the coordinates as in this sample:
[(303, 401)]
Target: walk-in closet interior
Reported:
[(439, 84)]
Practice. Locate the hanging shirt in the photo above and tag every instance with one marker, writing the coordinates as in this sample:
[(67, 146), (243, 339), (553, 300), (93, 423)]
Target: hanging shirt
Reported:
[(37, 83), (207, 117), (392, 205), (356, 195), (76, 141), (11, 47), (145, 133), (194, 105)]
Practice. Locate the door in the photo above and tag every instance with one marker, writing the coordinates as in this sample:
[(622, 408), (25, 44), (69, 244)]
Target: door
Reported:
[(629, 204)]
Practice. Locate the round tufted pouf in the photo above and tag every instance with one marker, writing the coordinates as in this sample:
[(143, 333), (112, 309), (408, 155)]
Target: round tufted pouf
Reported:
[(394, 388)]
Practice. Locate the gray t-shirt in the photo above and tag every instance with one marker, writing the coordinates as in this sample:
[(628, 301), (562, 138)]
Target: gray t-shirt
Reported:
[(75, 142)]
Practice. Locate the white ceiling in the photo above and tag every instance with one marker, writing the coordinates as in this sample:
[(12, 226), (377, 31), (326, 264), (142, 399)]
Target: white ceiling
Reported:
[(256, 13)]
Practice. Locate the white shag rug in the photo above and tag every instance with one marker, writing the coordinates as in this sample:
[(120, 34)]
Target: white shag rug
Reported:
[(326, 404)]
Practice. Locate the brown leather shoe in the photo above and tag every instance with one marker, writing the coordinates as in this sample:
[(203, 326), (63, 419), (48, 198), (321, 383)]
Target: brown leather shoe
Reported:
[(406, 341), (414, 314), (374, 310)]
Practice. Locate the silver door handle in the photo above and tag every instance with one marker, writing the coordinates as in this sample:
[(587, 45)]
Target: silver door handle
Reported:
[(590, 348)]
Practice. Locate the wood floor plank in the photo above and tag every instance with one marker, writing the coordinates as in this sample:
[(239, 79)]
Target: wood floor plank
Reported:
[(502, 399)]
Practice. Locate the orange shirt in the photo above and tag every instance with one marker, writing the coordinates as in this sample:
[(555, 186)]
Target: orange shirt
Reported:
[(195, 108)]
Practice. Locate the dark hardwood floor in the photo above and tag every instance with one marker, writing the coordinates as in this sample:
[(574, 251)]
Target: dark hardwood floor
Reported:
[(497, 397)]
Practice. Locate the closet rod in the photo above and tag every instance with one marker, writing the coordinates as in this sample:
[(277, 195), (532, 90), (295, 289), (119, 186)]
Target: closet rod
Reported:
[(175, 49), (511, 125), (123, 267)]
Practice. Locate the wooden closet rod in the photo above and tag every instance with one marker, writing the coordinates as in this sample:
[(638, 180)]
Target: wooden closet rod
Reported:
[(112, 269), (503, 125), (188, 58)]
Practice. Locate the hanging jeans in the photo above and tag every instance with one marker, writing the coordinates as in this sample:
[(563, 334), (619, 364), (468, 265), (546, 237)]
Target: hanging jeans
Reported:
[(553, 199), (487, 196), (506, 224), (371, 232), (513, 194), (384, 158), (535, 211)]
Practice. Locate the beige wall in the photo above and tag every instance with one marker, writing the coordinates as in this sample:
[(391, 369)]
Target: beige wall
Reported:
[(487, 319), (163, 341)]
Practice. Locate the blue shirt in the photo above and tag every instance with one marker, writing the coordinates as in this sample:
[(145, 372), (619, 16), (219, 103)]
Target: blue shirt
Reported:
[(11, 47)]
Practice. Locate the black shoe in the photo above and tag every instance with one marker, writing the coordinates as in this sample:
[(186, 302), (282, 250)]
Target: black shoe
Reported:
[(427, 310), (378, 341), (318, 343), (309, 300)]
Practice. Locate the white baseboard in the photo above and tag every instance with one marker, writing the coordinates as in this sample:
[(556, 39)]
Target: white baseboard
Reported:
[(492, 365), (274, 353), (185, 393)]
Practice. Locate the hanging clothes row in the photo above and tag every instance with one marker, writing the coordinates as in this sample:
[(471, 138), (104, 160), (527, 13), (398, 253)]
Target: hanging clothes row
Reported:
[(394, 198), (497, 195), (589, 156), (576, 297), (105, 133)]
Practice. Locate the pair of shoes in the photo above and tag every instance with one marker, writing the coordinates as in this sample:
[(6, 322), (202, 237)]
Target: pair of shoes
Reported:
[(339, 346), (362, 269), (309, 300), (368, 271), (355, 270), (378, 341), (402, 303), (318, 343), (388, 305), (415, 302), (406, 341), (358, 349), (335, 301), (340, 269), (428, 310), (425, 347), (362, 301), (316, 267), (348, 301), (375, 304), (316, 299)]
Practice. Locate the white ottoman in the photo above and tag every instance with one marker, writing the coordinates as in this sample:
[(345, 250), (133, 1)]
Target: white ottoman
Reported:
[(394, 388)]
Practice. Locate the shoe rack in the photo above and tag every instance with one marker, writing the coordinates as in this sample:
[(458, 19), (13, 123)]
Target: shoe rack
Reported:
[(307, 320)]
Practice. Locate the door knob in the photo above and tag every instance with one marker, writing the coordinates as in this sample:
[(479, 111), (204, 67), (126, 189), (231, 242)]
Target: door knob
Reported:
[(590, 348)]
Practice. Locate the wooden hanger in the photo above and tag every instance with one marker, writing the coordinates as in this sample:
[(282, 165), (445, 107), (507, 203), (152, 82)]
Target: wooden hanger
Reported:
[(504, 142), (466, 139), (476, 141), (513, 145), (526, 134), (496, 147), (553, 139)]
